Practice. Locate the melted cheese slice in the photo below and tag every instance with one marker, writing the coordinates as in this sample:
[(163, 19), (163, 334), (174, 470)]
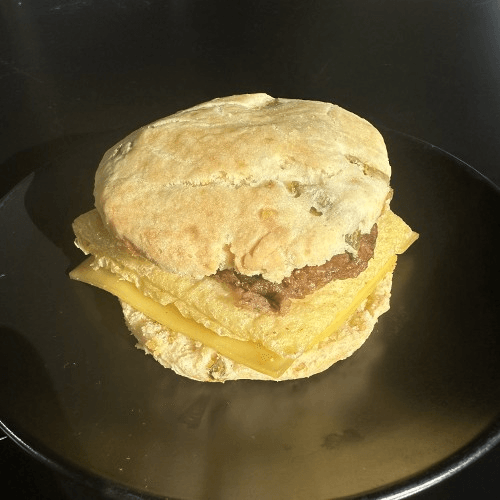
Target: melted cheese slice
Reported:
[(248, 353), (204, 310)]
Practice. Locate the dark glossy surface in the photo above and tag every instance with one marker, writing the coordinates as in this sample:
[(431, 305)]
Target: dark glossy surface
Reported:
[(76, 76), (425, 384)]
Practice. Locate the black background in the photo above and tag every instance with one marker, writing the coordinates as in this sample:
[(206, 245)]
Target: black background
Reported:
[(74, 69)]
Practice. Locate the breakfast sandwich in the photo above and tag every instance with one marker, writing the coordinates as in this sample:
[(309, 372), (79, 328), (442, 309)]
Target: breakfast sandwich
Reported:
[(248, 237)]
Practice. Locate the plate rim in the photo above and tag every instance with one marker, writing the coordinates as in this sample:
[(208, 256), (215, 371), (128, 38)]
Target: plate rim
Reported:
[(467, 454)]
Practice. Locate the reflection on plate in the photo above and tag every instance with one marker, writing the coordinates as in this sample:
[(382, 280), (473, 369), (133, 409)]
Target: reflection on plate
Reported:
[(424, 386)]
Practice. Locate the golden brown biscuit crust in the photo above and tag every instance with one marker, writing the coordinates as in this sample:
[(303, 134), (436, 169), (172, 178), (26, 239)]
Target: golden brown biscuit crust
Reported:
[(260, 184)]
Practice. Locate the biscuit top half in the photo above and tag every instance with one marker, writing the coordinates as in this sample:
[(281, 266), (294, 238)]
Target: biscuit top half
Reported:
[(249, 182)]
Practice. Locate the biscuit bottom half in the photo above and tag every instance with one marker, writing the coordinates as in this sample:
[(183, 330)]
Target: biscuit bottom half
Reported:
[(193, 359)]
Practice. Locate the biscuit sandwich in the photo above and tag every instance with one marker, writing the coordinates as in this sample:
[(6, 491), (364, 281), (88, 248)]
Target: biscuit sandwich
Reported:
[(247, 237)]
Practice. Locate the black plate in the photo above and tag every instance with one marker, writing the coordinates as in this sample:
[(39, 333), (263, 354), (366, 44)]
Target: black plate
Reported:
[(419, 401)]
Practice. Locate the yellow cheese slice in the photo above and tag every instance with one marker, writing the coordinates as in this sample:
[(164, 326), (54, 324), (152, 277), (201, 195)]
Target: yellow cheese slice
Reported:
[(211, 303), (248, 353), (203, 310)]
